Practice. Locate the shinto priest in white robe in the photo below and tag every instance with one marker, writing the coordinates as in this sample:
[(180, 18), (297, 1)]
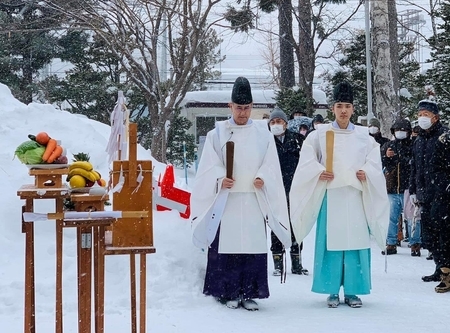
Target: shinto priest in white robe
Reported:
[(355, 209), (242, 210)]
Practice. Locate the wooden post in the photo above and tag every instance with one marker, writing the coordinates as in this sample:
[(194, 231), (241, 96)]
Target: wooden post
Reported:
[(30, 312), (59, 270), (143, 294), (133, 233)]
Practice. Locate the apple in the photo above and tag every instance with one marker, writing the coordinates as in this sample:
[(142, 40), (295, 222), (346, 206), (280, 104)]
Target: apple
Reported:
[(89, 183)]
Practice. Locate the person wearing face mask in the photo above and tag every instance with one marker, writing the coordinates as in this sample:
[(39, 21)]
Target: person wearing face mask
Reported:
[(297, 113), (303, 130), (339, 186), (395, 158), (374, 131), (316, 121), (288, 147), (421, 188)]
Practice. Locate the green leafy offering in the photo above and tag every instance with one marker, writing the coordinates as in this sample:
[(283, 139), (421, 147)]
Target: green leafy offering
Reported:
[(30, 152)]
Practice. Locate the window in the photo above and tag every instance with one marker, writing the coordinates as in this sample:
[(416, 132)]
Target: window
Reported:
[(204, 124)]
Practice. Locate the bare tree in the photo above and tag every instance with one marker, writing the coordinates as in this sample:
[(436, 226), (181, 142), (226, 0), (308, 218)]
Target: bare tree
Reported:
[(138, 31), (386, 100)]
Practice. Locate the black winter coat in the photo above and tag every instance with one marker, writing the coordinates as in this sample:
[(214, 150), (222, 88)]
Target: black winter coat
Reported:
[(440, 164), (421, 181), (397, 168), (381, 140), (288, 155)]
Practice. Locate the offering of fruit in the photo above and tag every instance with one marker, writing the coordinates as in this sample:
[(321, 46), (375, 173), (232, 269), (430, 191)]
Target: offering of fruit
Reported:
[(81, 167)]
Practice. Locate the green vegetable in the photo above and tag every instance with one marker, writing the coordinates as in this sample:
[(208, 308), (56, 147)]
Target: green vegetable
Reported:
[(30, 152)]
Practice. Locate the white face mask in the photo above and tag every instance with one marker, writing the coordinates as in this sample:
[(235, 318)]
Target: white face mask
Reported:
[(424, 122), (401, 135), (297, 117), (277, 129), (373, 130)]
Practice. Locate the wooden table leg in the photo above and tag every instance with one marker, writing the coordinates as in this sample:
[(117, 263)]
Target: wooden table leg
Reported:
[(84, 247), (133, 292), (143, 292), (59, 260), (99, 277), (29, 302)]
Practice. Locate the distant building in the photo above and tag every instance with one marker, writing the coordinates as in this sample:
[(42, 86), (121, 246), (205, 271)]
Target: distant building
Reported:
[(204, 108)]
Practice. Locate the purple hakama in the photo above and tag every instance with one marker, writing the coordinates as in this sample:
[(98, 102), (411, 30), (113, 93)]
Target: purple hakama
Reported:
[(230, 276)]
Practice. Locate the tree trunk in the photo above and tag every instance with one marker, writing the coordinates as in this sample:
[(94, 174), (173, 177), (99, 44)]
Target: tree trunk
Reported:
[(393, 42), (287, 73), (305, 52), (385, 97)]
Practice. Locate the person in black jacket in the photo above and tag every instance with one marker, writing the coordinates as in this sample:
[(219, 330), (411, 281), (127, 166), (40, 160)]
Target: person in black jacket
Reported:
[(421, 188), (288, 147), (374, 131), (440, 209), (396, 157), (316, 121)]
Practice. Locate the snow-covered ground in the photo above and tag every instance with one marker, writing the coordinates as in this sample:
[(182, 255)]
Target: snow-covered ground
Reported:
[(400, 301)]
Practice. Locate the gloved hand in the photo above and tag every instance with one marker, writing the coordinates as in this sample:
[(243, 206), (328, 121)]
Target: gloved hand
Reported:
[(413, 199)]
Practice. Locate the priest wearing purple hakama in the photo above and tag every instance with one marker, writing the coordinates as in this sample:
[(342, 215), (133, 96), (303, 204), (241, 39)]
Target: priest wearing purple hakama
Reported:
[(230, 214), (340, 184)]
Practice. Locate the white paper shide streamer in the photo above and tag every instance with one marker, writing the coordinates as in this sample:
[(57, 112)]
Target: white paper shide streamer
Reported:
[(118, 140)]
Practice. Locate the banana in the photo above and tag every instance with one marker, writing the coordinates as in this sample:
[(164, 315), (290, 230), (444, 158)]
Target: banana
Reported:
[(82, 172), (82, 165), (97, 174)]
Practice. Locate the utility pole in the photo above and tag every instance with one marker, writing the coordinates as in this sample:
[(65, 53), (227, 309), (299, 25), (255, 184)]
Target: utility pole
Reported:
[(368, 61)]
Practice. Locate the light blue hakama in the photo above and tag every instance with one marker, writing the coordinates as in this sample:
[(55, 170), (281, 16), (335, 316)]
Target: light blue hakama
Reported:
[(333, 269)]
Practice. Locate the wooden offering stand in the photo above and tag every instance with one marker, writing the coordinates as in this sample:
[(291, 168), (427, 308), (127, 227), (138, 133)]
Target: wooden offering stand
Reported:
[(131, 231), (48, 184), (134, 235), (90, 236)]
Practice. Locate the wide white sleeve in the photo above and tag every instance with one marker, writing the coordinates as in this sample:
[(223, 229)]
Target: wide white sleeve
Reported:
[(307, 191), (207, 185), (375, 198), (272, 197)]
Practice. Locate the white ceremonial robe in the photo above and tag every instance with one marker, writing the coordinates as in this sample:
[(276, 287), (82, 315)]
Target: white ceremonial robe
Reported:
[(242, 210), (356, 209)]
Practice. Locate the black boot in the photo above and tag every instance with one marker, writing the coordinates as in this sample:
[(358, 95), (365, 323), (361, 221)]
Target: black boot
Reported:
[(297, 267), (435, 277), (277, 263), (390, 249)]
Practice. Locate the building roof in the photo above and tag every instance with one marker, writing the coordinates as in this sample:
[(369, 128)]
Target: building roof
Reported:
[(260, 97)]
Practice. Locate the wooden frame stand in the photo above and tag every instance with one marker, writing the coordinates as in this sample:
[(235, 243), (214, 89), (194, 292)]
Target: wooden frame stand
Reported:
[(48, 185)]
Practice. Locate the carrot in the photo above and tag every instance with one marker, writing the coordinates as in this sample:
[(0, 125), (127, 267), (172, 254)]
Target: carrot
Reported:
[(51, 145), (55, 154), (42, 138)]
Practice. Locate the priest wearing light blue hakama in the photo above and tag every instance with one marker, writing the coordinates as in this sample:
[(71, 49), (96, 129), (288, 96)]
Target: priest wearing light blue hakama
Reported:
[(348, 200)]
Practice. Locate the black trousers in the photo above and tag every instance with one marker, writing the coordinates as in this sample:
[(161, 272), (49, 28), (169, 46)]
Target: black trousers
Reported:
[(277, 247), (439, 230)]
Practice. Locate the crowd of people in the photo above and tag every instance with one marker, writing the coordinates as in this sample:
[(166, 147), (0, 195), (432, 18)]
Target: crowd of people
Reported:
[(347, 180)]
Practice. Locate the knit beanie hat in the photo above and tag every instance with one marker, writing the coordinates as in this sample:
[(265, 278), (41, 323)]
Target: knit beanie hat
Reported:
[(374, 122), (278, 113), (343, 93), (242, 92), (428, 105)]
